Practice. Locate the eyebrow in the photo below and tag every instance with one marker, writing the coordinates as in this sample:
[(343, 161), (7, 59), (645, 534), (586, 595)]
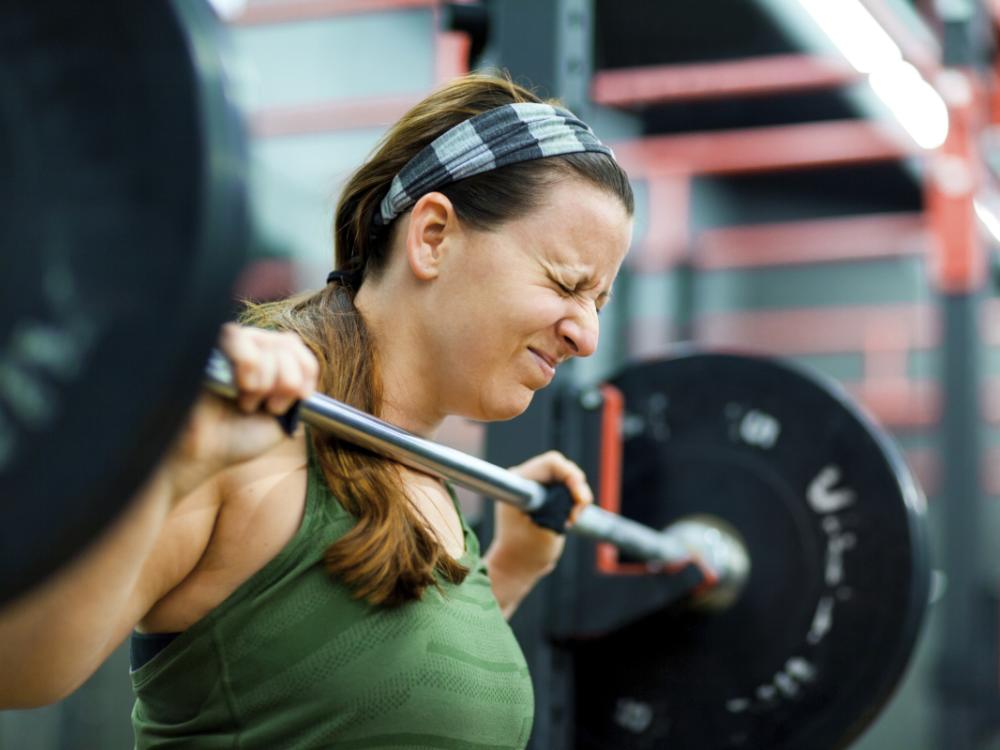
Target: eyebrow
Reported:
[(581, 278)]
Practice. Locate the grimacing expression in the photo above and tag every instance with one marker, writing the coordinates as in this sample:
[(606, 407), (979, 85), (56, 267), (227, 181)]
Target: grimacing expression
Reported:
[(529, 293)]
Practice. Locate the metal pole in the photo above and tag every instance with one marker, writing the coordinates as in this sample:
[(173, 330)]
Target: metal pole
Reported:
[(721, 556), (966, 680)]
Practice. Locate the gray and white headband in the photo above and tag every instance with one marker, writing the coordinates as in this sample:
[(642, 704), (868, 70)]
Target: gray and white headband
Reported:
[(505, 135)]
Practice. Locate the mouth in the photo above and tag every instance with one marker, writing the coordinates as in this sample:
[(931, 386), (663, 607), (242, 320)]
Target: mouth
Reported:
[(545, 363)]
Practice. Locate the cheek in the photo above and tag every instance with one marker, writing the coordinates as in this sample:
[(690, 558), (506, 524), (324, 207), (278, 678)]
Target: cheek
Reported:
[(514, 315), (473, 339), (488, 327), (534, 311)]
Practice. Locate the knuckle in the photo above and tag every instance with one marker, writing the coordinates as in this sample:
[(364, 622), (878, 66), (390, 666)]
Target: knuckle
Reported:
[(247, 375), (284, 380), (259, 334), (265, 336), (291, 378)]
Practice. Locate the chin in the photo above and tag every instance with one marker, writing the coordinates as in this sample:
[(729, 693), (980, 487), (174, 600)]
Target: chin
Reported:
[(501, 410)]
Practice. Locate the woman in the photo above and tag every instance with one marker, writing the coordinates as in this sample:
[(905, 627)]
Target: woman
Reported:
[(302, 592)]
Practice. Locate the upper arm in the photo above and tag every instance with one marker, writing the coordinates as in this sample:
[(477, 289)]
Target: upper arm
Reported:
[(179, 546), (221, 536), (176, 550), (58, 634)]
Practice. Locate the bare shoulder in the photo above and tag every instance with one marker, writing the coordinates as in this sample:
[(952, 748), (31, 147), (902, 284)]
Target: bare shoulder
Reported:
[(222, 534)]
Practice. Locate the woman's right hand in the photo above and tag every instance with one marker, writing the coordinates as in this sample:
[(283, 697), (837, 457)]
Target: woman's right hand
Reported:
[(272, 371)]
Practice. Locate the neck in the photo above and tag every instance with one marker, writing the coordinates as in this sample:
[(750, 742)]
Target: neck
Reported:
[(408, 399)]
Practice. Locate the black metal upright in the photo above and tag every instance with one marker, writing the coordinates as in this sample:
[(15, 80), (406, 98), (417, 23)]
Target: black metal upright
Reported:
[(967, 666), (547, 45), (967, 663), (508, 443)]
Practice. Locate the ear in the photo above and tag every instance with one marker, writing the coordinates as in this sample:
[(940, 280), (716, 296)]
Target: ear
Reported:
[(432, 228)]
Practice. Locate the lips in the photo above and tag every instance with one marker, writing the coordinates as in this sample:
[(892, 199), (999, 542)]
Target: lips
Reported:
[(546, 362)]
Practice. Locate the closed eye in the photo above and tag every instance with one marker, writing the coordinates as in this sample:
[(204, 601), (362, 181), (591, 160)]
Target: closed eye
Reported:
[(599, 304), (563, 288)]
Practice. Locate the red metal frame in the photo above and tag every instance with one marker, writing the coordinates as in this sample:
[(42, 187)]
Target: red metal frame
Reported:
[(954, 175), (451, 55), (851, 238), (901, 404), (794, 331), (667, 237), (331, 116), (925, 464), (609, 492), (632, 87), (887, 392), (774, 148)]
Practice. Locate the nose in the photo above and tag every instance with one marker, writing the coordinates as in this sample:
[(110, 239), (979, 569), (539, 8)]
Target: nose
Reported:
[(580, 332)]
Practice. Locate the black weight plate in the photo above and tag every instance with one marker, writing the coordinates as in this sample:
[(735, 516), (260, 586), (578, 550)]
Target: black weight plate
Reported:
[(122, 222), (839, 582)]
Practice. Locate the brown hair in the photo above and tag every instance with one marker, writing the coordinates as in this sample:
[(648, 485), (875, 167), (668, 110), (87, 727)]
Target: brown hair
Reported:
[(390, 556)]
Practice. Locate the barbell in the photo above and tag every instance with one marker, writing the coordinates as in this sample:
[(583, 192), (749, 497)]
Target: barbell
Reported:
[(124, 225), (784, 522), (719, 553)]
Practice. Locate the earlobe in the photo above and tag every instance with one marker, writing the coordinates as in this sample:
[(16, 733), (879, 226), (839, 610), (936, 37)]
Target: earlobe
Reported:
[(432, 226)]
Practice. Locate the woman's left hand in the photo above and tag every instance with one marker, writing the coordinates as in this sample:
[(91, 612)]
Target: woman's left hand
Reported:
[(526, 549)]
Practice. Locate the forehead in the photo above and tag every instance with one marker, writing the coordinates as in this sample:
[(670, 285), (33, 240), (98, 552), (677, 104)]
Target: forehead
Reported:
[(578, 224)]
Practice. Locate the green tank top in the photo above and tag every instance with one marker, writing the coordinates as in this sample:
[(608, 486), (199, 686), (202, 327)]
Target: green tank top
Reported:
[(291, 660)]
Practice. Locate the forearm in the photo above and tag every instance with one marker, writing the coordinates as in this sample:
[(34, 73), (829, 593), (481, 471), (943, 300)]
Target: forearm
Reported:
[(510, 582), (55, 636)]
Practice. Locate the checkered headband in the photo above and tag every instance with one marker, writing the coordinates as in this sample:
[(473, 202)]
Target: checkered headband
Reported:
[(505, 135)]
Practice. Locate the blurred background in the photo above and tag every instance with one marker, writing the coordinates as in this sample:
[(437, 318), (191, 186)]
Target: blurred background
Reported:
[(814, 178)]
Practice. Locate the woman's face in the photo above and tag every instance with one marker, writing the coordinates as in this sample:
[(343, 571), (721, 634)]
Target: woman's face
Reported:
[(515, 302)]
